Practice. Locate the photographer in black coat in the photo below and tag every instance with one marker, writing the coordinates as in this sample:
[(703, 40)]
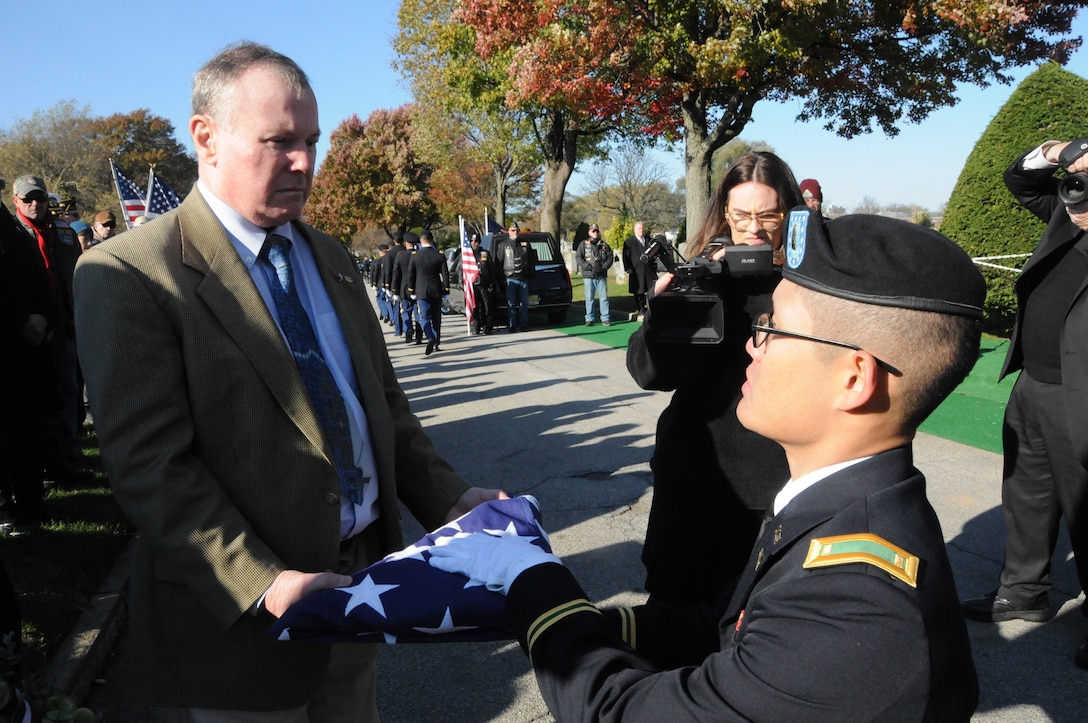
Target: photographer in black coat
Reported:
[(1044, 437), (713, 479)]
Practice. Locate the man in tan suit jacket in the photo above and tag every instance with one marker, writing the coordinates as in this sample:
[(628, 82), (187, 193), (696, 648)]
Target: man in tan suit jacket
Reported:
[(208, 433)]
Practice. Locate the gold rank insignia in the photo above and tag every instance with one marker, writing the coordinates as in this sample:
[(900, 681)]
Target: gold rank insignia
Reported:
[(863, 547)]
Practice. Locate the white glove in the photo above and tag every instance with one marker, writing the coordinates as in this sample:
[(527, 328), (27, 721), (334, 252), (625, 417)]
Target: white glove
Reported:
[(396, 299), (412, 296), (488, 560)]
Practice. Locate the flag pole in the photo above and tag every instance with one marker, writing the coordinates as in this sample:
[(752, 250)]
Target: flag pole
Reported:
[(466, 291), (150, 187), (117, 190)]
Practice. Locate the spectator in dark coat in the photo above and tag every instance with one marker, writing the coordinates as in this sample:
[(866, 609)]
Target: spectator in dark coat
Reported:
[(640, 276), (27, 313)]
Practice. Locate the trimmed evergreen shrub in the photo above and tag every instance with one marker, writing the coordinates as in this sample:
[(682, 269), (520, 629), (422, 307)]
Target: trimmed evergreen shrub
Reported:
[(982, 216)]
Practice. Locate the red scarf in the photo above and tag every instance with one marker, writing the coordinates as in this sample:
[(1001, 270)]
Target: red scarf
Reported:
[(43, 248)]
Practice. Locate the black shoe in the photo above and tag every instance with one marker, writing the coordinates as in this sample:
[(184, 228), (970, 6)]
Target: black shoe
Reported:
[(430, 349), (407, 340), (419, 340), (1081, 658), (993, 609)]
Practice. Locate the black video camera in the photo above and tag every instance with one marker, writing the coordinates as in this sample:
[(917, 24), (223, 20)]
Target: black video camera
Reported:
[(692, 310)]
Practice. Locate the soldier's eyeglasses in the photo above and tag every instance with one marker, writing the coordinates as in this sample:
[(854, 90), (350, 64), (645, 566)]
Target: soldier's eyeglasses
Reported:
[(763, 327)]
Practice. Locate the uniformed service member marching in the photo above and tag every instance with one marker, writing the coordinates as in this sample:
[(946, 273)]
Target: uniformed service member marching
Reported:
[(847, 610)]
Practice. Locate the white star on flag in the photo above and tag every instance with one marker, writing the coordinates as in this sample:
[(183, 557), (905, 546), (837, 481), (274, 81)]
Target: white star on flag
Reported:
[(367, 593)]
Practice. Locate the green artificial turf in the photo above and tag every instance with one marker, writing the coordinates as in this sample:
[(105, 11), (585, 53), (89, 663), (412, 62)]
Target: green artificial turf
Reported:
[(971, 415)]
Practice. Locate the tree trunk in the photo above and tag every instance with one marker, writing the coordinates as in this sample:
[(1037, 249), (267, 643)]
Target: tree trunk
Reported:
[(556, 175), (500, 197), (698, 153), (700, 142), (560, 148)]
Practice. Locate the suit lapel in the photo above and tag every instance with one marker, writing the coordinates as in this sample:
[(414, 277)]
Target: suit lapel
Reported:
[(231, 296)]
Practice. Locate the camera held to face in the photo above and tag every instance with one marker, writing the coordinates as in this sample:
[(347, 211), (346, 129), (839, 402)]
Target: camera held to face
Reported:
[(1073, 188), (692, 310)]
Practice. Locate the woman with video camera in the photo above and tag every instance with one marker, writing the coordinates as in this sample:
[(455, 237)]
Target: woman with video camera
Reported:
[(713, 479)]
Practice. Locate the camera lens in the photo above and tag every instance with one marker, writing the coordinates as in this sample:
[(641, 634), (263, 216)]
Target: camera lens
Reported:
[(1073, 189)]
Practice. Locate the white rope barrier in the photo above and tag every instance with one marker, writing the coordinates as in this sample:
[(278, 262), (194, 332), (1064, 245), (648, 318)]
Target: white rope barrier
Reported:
[(984, 261)]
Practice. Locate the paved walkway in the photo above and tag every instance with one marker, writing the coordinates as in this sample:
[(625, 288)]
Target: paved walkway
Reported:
[(559, 417)]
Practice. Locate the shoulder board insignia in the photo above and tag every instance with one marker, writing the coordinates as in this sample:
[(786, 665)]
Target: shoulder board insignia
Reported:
[(863, 547)]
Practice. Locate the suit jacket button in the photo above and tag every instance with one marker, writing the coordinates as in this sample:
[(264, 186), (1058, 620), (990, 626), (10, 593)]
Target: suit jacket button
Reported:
[(332, 498)]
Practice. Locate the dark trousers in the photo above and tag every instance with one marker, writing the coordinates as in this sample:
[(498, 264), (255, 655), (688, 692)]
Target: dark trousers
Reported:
[(483, 317), (1043, 480)]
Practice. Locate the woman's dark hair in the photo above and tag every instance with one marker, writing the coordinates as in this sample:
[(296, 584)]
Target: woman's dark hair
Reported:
[(758, 166)]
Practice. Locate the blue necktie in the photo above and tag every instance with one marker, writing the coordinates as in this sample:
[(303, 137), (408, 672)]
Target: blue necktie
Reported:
[(320, 385)]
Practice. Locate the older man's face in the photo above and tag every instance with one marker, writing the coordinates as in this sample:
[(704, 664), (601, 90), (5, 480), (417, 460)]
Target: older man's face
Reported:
[(34, 205), (104, 229), (261, 160)]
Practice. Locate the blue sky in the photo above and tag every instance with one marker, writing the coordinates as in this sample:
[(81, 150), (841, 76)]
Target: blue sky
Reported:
[(345, 47)]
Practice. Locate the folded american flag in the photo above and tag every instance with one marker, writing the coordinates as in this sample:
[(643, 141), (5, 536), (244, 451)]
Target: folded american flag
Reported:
[(402, 599)]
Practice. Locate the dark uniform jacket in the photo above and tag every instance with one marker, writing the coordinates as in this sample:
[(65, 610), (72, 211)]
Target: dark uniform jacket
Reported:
[(399, 272), (428, 274), (1037, 191), (389, 262), (848, 641)]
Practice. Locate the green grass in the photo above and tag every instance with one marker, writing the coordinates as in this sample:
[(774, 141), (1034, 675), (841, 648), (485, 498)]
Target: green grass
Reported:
[(56, 570)]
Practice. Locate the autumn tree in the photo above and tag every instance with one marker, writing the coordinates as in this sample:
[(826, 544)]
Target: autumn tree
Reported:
[(569, 70), (371, 176), (52, 144), (462, 111), (70, 149), (697, 68), (140, 139)]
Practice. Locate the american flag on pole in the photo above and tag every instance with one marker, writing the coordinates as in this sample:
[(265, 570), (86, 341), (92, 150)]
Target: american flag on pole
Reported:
[(129, 194), (470, 273), (402, 599), (160, 197)]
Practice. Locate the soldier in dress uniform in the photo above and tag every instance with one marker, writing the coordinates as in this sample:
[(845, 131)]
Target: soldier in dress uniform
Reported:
[(847, 609)]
